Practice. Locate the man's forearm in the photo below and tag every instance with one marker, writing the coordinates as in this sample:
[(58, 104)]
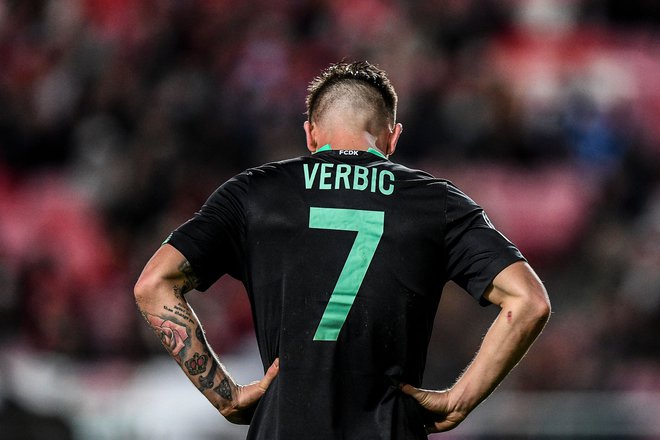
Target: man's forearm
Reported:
[(173, 320), (159, 293), (504, 345)]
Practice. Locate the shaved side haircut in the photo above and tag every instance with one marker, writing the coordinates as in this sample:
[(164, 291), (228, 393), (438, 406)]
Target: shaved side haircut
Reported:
[(357, 88)]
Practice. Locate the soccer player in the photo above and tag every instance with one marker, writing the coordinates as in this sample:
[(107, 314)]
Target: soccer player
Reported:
[(343, 254)]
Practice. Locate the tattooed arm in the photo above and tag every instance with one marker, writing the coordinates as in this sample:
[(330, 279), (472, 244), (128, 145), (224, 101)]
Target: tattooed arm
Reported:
[(159, 294)]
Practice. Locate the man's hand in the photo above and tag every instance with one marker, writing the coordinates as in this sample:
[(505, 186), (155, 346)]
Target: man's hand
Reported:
[(245, 398), (442, 416), (525, 309)]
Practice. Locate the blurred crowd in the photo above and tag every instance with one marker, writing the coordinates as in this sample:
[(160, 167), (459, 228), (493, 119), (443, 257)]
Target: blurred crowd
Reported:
[(119, 117)]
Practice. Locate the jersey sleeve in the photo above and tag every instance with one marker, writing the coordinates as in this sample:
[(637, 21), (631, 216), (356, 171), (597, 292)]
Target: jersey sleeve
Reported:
[(212, 240), (476, 251)]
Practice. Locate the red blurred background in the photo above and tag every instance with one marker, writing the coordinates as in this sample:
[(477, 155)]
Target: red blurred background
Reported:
[(118, 118)]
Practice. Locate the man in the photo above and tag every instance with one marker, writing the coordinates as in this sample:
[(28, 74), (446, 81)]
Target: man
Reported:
[(343, 255)]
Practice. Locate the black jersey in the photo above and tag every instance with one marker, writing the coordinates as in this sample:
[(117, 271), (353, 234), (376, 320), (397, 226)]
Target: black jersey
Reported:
[(343, 255)]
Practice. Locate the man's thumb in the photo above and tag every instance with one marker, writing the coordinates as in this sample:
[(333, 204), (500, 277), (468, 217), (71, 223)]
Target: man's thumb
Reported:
[(410, 390), (271, 373)]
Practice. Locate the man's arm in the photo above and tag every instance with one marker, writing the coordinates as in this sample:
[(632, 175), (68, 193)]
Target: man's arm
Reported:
[(525, 309), (159, 294)]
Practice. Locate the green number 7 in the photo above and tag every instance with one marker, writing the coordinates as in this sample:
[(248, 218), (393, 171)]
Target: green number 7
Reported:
[(369, 228)]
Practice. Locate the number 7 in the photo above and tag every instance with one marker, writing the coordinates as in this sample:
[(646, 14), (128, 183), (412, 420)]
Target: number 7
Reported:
[(369, 228)]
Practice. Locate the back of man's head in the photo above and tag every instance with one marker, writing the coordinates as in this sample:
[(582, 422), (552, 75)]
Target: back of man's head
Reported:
[(354, 94)]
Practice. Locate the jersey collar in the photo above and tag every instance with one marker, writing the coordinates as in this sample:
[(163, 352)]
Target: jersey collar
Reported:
[(371, 150)]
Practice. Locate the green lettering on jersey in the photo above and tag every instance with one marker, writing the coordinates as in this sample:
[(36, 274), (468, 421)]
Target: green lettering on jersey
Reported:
[(389, 189), (329, 176), (360, 178), (309, 177), (325, 176), (369, 228), (343, 171)]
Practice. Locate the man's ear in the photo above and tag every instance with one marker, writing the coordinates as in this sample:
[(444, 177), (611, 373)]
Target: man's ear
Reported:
[(309, 135), (393, 138)]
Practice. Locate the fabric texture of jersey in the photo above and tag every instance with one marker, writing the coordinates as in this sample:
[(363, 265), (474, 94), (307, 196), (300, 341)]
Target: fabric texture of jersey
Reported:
[(344, 255)]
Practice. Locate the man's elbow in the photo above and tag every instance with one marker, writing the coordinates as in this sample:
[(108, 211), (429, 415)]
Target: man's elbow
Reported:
[(146, 288), (140, 292), (538, 305)]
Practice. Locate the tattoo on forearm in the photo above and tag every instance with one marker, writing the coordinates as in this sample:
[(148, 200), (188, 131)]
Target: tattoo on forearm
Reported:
[(173, 334), (178, 291), (224, 389), (206, 382), (190, 280), (182, 311), (196, 364)]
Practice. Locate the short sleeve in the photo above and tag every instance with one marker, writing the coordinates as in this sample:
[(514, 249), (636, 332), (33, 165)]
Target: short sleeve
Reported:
[(476, 251), (212, 240)]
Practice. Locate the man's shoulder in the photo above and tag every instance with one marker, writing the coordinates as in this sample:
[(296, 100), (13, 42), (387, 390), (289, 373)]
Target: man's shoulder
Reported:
[(415, 177), (275, 166), (413, 172)]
